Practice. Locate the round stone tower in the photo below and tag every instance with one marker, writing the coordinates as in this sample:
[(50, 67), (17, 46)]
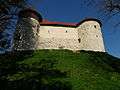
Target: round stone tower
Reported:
[(26, 34), (90, 36)]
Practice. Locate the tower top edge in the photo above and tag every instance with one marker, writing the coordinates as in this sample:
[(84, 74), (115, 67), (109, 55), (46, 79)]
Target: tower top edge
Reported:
[(28, 12), (89, 19)]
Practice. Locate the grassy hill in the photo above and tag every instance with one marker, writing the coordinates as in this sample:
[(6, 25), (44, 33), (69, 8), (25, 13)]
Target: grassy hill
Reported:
[(59, 70)]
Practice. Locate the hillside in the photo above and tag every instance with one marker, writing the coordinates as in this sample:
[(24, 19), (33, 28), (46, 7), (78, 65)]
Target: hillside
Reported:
[(59, 70)]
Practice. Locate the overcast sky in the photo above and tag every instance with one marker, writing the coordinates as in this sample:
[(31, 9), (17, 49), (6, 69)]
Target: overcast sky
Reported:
[(75, 11)]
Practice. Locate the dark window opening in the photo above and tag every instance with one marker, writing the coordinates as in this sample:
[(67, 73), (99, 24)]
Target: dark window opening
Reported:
[(38, 28), (95, 26), (79, 40), (48, 31), (66, 31), (96, 35)]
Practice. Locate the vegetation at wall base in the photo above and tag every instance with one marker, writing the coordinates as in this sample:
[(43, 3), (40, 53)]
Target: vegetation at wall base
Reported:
[(59, 70)]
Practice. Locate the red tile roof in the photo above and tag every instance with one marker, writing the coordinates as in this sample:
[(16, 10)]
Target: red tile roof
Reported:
[(46, 22), (54, 23)]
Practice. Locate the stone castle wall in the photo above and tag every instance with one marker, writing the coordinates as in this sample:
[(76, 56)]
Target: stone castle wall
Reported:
[(87, 36), (52, 37), (90, 35)]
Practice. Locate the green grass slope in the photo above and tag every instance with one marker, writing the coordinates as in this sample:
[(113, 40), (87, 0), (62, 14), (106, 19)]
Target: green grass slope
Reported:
[(59, 70)]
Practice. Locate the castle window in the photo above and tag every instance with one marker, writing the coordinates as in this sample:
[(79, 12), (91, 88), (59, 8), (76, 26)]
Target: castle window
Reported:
[(79, 40), (48, 31), (96, 35), (95, 26), (38, 28), (66, 31)]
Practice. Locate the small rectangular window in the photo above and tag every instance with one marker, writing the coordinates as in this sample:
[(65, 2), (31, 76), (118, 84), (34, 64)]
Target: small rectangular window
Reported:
[(79, 40)]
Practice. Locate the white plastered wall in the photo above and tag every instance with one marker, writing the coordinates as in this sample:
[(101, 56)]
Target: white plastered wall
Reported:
[(54, 37)]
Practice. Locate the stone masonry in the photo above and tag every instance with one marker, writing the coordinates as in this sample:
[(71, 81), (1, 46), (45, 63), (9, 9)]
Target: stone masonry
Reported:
[(31, 35)]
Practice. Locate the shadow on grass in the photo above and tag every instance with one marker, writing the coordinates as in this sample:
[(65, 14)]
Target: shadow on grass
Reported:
[(15, 74)]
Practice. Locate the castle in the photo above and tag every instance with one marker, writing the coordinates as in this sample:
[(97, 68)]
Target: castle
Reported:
[(33, 33)]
